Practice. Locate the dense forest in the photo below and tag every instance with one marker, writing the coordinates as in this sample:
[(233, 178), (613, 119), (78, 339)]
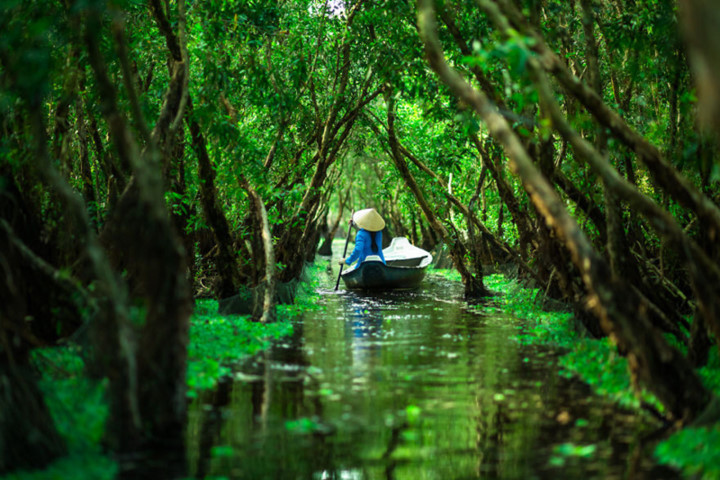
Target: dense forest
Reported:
[(156, 152)]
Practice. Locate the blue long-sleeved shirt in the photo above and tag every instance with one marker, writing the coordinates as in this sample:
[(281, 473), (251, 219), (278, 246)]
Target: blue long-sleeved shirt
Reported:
[(363, 247)]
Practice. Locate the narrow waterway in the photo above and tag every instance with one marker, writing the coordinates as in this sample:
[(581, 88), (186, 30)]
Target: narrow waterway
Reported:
[(410, 385)]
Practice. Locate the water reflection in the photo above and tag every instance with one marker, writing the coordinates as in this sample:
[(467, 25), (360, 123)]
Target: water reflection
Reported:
[(210, 426), (409, 385), (363, 329)]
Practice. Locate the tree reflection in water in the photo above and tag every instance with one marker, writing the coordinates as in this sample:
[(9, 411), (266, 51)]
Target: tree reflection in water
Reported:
[(408, 385)]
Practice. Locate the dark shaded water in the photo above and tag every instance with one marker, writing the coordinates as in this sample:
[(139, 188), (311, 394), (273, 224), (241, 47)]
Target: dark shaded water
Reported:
[(410, 385)]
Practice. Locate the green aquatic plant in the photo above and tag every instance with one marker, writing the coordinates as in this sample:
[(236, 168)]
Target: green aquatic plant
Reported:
[(413, 414), (597, 363), (695, 451), (446, 273), (78, 404), (217, 341), (565, 451), (220, 451), (303, 426), (594, 361), (75, 401)]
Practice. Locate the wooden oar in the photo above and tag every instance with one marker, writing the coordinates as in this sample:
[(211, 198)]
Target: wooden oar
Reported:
[(347, 240)]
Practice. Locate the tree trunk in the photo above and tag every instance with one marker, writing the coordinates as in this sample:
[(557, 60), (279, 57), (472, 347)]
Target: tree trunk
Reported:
[(88, 188), (326, 247), (146, 365), (652, 361), (699, 20), (226, 261), (263, 309), (474, 287), (519, 215), (665, 176), (23, 410)]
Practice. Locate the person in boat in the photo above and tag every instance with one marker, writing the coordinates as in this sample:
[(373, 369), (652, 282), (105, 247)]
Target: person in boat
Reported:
[(368, 240)]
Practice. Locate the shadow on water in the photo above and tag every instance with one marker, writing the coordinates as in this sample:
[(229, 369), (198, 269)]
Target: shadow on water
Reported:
[(410, 385)]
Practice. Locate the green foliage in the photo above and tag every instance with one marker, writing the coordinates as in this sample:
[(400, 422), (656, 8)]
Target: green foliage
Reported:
[(565, 453), (75, 402), (413, 413), (303, 426), (595, 362), (220, 451), (218, 341), (26, 50), (77, 405), (710, 376), (264, 75), (450, 274), (695, 451)]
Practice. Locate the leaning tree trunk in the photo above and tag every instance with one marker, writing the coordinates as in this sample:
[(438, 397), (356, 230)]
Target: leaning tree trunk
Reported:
[(469, 214), (519, 215), (652, 361), (663, 173), (700, 19), (326, 247), (336, 127), (474, 286)]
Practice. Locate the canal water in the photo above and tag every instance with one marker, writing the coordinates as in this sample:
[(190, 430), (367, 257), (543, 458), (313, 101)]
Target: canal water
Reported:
[(410, 385)]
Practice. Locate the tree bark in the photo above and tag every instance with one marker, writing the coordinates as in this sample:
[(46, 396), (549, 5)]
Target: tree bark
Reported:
[(22, 406), (336, 130), (467, 212), (519, 215), (326, 247), (702, 269)]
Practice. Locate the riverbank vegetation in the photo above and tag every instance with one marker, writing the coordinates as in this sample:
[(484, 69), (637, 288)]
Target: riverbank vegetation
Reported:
[(77, 405), (156, 153), (596, 362)]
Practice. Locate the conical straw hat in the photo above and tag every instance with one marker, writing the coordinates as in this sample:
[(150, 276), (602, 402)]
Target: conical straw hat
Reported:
[(369, 219)]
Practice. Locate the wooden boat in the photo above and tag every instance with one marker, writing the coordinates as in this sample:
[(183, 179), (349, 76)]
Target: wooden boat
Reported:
[(405, 267)]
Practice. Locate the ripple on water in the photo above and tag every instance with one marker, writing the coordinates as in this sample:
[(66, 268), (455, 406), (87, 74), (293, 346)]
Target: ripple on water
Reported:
[(415, 385)]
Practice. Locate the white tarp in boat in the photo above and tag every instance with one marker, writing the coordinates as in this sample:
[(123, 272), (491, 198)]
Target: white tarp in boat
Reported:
[(401, 249)]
